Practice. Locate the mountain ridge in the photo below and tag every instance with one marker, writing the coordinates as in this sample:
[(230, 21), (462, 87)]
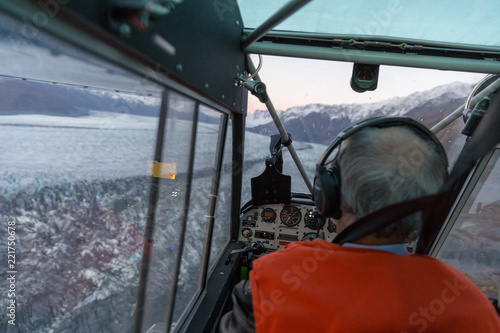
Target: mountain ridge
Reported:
[(326, 121), (30, 97)]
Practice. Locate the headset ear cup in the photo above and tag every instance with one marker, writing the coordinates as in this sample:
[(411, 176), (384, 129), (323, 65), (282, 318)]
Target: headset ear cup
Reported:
[(318, 193), (327, 191)]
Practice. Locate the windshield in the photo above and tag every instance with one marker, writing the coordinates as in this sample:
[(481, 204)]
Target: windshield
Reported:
[(315, 102)]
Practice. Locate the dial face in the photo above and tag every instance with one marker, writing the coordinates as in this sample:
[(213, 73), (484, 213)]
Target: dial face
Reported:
[(290, 216), (268, 215), (309, 236), (246, 232), (310, 221)]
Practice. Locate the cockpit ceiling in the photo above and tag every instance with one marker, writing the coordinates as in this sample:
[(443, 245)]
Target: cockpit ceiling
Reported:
[(471, 24)]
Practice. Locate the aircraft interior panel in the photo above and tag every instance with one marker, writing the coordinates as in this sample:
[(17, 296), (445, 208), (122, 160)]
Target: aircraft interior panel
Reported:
[(277, 225)]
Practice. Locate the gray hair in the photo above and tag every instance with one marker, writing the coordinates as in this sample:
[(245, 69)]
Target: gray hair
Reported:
[(383, 166)]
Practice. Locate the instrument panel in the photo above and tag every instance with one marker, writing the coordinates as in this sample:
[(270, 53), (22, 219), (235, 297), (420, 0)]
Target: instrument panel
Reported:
[(277, 225)]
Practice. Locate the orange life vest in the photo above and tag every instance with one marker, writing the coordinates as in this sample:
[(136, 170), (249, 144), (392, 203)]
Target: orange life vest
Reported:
[(322, 287)]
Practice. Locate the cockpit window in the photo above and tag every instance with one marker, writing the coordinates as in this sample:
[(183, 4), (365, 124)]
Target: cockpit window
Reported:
[(169, 209), (74, 185), (315, 107), (210, 130), (222, 214), (80, 184), (473, 244)]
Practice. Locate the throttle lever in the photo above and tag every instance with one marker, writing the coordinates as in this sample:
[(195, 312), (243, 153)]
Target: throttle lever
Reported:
[(254, 247)]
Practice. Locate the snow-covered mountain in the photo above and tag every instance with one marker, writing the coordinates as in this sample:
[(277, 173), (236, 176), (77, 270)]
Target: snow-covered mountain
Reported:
[(30, 97), (325, 121), (77, 188)]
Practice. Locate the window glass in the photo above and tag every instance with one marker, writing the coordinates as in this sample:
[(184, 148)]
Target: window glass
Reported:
[(208, 131), (74, 182), (77, 141), (222, 223), (315, 107), (473, 245), (171, 209)]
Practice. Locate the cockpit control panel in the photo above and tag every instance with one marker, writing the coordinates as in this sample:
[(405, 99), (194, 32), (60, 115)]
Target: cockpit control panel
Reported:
[(276, 225)]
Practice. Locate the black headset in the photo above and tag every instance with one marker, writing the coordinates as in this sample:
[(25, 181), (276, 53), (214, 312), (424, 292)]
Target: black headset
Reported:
[(326, 191)]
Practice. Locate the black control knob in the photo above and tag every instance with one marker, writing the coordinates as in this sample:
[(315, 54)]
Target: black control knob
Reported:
[(247, 233)]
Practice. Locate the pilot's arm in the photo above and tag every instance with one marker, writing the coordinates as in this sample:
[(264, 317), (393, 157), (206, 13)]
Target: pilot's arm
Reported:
[(240, 318)]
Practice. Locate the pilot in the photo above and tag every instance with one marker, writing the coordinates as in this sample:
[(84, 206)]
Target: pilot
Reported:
[(371, 284)]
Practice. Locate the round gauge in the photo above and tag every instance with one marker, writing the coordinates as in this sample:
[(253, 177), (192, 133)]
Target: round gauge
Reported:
[(268, 215), (310, 221), (309, 236), (290, 216), (246, 232)]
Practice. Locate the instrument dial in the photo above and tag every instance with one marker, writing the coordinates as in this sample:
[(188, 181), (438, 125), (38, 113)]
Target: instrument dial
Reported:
[(268, 215), (290, 216), (246, 232), (309, 236), (310, 221)]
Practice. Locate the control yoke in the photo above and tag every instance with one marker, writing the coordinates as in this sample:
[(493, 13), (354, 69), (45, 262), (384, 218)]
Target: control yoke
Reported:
[(272, 186), (254, 247)]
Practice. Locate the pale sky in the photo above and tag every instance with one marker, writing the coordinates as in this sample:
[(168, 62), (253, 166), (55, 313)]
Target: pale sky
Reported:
[(292, 81)]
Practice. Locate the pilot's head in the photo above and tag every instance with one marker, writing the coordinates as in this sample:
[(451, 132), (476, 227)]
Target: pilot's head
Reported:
[(378, 165)]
